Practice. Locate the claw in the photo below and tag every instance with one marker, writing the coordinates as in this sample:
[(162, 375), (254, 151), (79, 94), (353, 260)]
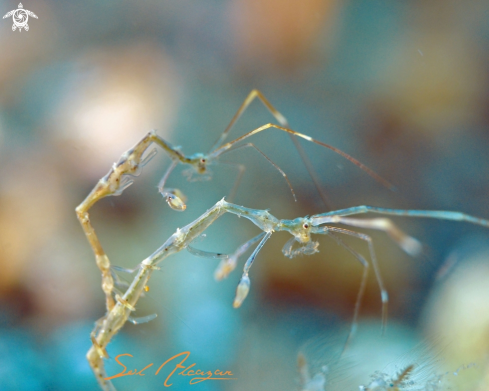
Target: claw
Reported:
[(242, 291), (225, 267), (175, 199)]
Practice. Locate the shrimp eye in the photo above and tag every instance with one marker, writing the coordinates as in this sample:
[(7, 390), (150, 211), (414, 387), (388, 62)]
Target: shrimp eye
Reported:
[(202, 160), (305, 226)]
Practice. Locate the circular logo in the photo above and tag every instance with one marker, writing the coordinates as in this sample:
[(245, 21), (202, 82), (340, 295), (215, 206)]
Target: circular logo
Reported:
[(20, 18)]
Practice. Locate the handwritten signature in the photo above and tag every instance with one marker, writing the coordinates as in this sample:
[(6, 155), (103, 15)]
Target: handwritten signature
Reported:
[(196, 374)]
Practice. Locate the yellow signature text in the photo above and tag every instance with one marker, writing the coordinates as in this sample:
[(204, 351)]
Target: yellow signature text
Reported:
[(196, 375)]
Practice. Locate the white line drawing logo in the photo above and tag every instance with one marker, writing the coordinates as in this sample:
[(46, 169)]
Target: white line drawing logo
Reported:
[(20, 17)]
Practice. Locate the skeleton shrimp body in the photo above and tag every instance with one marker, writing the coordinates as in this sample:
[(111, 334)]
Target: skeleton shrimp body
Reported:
[(200, 162), (301, 242), (301, 230)]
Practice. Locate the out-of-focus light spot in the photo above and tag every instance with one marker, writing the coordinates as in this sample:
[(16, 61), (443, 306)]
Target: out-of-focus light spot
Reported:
[(114, 99)]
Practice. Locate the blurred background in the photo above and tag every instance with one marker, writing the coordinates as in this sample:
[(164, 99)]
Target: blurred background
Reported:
[(400, 85)]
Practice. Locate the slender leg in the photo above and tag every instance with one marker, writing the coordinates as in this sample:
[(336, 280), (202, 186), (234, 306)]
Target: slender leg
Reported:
[(283, 122), (363, 283), (252, 257), (244, 284), (163, 180), (241, 170), (409, 244), (251, 96), (228, 261), (332, 217), (174, 197), (206, 254), (229, 145), (228, 265), (310, 170), (142, 319), (270, 161), (383, 292)]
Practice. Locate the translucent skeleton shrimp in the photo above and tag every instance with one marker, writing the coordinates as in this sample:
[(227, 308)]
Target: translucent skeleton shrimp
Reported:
[(200, 162), (132, 161), (301, 230)]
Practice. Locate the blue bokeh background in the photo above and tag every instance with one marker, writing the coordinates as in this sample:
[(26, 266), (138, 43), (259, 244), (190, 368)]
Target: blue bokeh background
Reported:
[(400, 85)]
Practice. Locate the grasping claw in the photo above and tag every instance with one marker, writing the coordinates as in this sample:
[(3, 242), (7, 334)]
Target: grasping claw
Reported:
[(242, 291), (175, 199)]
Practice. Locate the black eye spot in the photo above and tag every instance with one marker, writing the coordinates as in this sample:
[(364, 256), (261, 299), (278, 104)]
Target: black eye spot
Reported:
[(202, 160), (305, 226)]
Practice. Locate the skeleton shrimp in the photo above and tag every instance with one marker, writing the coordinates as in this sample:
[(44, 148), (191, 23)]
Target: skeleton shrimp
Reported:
[(200, 162), (301, 229), (132, 161)]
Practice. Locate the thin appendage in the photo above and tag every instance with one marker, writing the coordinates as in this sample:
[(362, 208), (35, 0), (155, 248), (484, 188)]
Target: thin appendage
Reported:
[(142, 319), (173, 197), (251, 96), (228, 265), (383, 292), (228, 261), (206, 254), (241, 170), (269, 160), (374, 175), (253, 255), (244, 284), (161, 185), (283, 122), (173, 152), (311, 171), (333, 216), (363, 283), (409, 244), (124, 269)]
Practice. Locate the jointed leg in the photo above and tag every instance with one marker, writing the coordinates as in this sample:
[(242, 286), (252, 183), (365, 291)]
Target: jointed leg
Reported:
[(363, 283), (251, 96), (269, 160), (241, 170), (113, 183), (229, 145), (228, 261), (310, 170), (283, 122), (174, 197), (409, 244), (332, 217), (244, 284), (383, 292)]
